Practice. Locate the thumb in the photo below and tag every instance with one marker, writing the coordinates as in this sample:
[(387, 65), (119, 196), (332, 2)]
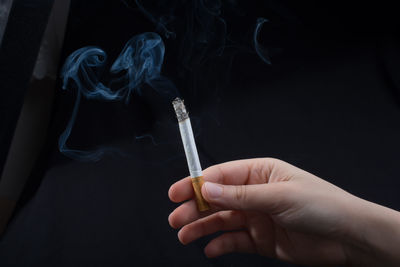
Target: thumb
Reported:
[(258, 197)]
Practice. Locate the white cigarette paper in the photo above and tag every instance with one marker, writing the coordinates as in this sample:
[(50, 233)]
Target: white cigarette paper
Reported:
[(189, 145)]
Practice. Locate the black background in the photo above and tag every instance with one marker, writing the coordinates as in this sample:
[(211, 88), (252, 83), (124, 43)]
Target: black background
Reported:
[(328, 103)]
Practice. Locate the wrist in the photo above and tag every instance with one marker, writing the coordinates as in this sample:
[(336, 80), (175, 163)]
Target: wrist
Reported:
[(373, 235)]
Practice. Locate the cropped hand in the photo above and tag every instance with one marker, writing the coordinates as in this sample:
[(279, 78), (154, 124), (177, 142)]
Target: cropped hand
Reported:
[(272, 208)]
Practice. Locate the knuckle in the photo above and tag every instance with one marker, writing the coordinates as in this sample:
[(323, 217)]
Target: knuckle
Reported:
[(240, 194), (220, 219), (238, 216)]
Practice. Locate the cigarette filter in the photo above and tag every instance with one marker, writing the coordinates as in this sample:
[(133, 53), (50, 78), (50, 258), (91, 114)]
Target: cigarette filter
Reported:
[(192, 157)]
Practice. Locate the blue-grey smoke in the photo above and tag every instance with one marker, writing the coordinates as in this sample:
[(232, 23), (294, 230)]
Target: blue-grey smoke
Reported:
[(93, 155), (207, 44), (205, 54), (160, 23), (82, 70), (153, 141), (260, 50), (205, 33), (139, 63)]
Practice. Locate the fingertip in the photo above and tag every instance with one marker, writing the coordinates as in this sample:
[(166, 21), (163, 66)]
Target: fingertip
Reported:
[(172, 193), (172, 221), (212, 192), (184, 214), (169, 220), (181, 190), (210, 250), (181, 237), (204, 191)]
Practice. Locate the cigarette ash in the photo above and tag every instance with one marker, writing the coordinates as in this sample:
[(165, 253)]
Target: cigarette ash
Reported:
[(180, 109)]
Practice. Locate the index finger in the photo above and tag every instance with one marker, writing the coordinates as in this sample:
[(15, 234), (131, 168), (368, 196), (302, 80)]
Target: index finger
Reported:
[(238, 172)]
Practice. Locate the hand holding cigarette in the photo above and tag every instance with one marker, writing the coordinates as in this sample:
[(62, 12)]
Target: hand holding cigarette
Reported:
[(277, 210)]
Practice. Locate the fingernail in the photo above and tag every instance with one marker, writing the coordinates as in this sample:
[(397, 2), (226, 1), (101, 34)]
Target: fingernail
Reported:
[(213, 190)]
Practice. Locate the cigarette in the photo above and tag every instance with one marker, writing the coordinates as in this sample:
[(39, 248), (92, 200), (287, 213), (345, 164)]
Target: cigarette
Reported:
[(192, 157)]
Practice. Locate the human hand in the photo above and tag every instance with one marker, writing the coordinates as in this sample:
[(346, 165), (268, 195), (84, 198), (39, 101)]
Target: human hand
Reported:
[(272, 208)]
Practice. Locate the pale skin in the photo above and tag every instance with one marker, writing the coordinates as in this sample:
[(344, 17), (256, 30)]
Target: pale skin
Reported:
[(275, 209)]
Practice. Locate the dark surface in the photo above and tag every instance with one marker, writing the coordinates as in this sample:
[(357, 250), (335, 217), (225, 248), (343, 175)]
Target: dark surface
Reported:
[(327, 104), (18, 51)]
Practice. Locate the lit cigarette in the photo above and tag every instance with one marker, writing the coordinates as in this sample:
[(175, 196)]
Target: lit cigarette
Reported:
[(192, 157)]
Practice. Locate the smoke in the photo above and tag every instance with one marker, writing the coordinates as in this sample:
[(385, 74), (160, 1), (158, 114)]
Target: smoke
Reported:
[(139, 63), (205, 32), (160, 23), (260, 50), (82, 70), (198, 30)]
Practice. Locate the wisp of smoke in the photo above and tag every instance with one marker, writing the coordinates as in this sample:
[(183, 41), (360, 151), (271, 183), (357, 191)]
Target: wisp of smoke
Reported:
[(139, 63), (203, 58), (160, 23), (260, 50), (206, 46)]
